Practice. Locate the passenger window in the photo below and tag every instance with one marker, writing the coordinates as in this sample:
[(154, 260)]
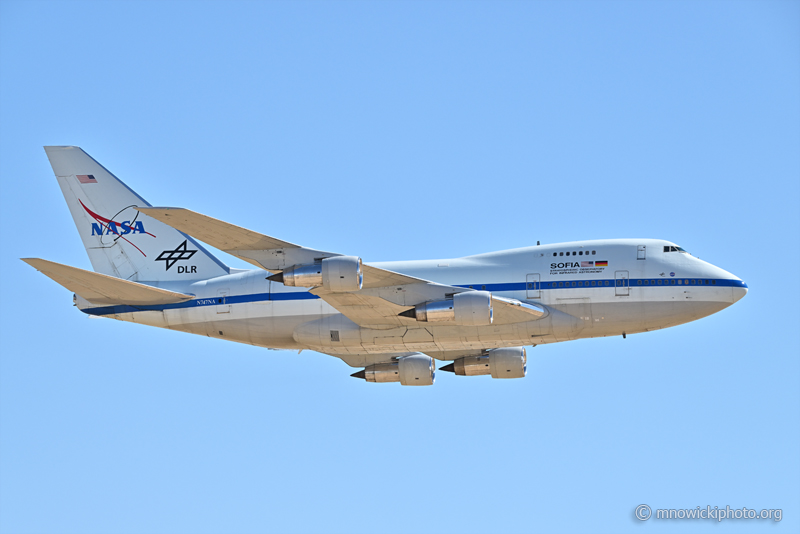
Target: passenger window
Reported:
[(574, 284), (483, 288), (574, 253), (646, 282), (659, 282), (672, 282), (567, 253), (560, 253), (606, 282), (555, 254), (593, 253), (561, 284), (594, 284), (713, 282), (680, 282), (638, 282), (580, 284)]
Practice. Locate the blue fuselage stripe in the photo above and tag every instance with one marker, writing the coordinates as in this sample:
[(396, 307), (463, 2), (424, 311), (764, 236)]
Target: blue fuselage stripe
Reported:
[(513, 286)]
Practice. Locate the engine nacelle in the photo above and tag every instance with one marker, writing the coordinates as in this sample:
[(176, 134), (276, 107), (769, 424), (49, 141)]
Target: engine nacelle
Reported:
[(471, 308), (414, 370), (338, 274), (511, 362), (500, 363)]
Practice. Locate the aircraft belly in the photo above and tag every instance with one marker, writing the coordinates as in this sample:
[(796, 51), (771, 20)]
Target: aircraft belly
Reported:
[(421, 339), (336, 334), (614, 318), (313, 324), (501, 333)]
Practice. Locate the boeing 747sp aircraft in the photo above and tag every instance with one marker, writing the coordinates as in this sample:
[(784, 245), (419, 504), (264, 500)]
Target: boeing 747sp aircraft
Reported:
[(390, 319)]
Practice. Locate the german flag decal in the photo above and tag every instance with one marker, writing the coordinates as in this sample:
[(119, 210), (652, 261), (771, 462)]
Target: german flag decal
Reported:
[(601, 264)]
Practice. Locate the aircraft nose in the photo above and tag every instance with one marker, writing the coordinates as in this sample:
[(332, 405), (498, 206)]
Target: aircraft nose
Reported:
[(739, 291)]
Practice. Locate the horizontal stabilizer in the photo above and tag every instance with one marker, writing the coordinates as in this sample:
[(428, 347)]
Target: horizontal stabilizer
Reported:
[(102, 289)]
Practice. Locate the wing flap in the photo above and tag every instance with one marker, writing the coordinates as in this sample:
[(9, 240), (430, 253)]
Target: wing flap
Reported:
[(102, 289)]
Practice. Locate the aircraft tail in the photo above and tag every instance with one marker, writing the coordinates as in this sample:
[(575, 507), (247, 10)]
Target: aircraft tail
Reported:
[(121, 241)]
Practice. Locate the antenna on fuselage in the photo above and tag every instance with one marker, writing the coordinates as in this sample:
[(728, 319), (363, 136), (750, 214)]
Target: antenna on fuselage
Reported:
[(538, 243)]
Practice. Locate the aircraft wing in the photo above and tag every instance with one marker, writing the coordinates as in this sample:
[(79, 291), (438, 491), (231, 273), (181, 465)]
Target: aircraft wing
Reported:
[(383, 296), (261, 250), (381, 308), (102, 289)]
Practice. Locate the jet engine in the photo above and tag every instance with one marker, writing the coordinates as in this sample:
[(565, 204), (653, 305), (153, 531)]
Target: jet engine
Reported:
[(471, 308), (500, 363), (337, 274), (414, 370)]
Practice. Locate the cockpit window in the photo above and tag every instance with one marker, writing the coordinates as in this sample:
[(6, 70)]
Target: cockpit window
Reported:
[(672, 248)]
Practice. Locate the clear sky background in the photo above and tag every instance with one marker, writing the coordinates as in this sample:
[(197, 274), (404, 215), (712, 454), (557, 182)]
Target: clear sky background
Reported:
[(405, 131)]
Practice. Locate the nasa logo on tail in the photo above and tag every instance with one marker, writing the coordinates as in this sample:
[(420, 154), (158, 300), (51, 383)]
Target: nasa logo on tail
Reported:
[(109, 227)]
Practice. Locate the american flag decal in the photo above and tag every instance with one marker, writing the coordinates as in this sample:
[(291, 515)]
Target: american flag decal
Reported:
[(587, 264), (86, 178)]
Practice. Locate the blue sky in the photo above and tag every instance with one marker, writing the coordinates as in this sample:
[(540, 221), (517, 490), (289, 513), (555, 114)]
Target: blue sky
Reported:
[(397, 130)]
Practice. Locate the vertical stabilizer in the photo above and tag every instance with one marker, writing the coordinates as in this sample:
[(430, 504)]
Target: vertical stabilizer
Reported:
[(121, 241)]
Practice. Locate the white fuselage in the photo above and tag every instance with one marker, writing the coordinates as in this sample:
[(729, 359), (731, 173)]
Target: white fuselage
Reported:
[(590, 289)]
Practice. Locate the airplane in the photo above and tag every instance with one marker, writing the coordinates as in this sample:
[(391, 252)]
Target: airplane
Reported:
[(393, 320)]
